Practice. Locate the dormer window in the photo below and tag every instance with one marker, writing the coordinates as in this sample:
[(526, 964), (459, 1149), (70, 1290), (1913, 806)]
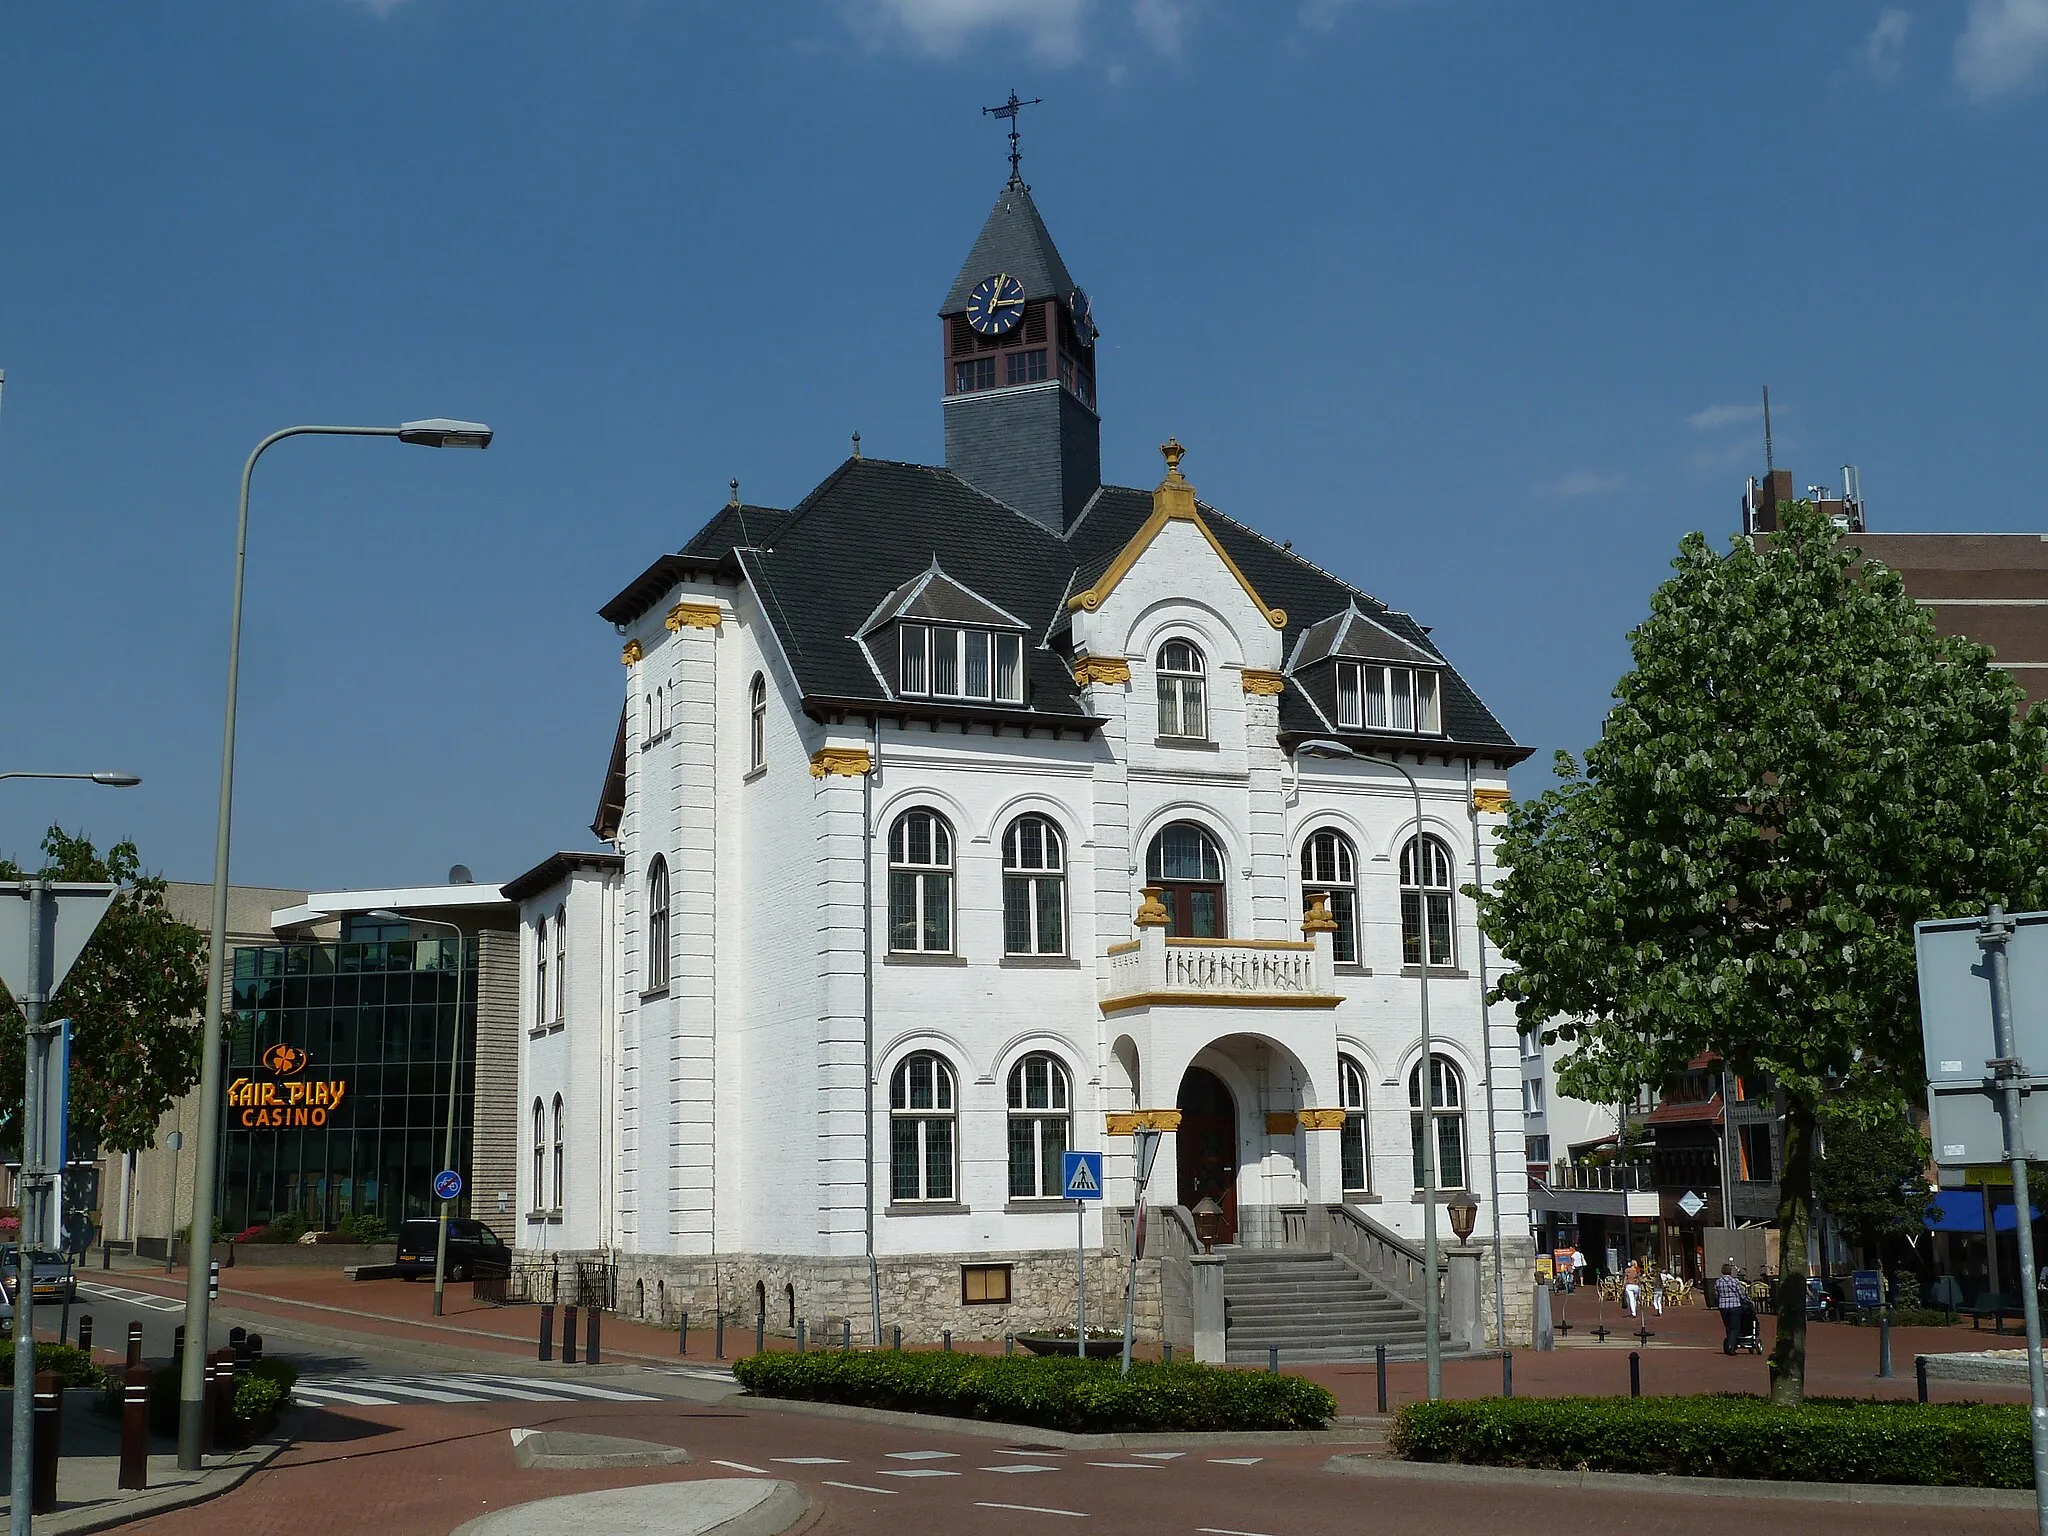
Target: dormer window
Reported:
[(944, 661), (1375, 697)]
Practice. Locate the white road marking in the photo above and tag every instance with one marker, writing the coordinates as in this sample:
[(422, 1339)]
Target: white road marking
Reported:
[(810, 1461), (1211, 1530), (862, 1488), (334, 1395), (1159, 1455), (405, 1389), (572, 1388), (1019, 1466), (916, 1472), (1235, 1461), (121, 1294), (740, 1466), (518, 1394), (924, 1455), (1044, 1450), (1032, 1509), (1135, 1466)]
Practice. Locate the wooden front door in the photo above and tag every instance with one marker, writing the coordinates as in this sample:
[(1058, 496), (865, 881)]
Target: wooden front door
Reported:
[(1207, 1146), (1194, 911)]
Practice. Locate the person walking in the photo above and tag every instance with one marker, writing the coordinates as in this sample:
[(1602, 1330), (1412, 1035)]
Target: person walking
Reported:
[(1731, 1297), (1578, 1268), (1632, 1286)]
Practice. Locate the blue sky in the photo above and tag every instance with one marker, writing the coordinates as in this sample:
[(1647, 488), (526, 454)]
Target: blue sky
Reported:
[(1470, 301)]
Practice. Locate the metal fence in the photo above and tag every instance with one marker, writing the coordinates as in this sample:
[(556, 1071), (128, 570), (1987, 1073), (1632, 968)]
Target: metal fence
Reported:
[(530, 1282)]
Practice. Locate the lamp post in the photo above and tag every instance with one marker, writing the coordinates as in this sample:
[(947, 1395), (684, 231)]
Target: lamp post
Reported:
[(436, 433), (112, 780), (1432, 1302), (454, 1076)]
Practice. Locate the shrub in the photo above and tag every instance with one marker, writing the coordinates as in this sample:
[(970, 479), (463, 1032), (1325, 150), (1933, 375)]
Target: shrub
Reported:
[(282, 1373), (74, 1367), (288, 1228), (1050, 1391), (1823, 1440), (257, 1399), (365, 1227), (1906, 1290)]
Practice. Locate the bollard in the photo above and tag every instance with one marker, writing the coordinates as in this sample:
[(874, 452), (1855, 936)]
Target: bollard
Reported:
[(135, 1423), (1272, 1359), (64, 1322), (799, 1335), (85, 1331), (760, 1332), (683, 1334), (106, 1255), (547, 1330), (568, 1335), (1009, 1343), (718, 1342), (1920, 1375), (224, 1434), (1507, 1373), (846, 1336), (238, 1338), (897, 1334), (1169, 1351), (590, 1344), (1379, 1357), (178, 1342), (1635, 1374), (255, 1346), (1884, 1342), (134, 1345), (949, 1341), (213, 1280), (48, 1422)]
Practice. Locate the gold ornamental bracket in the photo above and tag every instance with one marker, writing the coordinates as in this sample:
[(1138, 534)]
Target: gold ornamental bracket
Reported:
[(632, 653), (1491, 802), (1173, 501), (1259, 680), (1319, 918), (1130, 1122), (1152, 911), (1320, 1119), (693, 613), (1101, 669), (847, 762)]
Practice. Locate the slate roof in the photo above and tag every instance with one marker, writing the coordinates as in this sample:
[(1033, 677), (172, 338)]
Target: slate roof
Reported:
[(1014, 240), (875, 526)]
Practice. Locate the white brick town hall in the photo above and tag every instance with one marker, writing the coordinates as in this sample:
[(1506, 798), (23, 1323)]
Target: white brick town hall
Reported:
[(963, 815)]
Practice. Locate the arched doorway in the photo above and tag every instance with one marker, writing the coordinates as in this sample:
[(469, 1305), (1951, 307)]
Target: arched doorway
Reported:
[(1207, 1147)]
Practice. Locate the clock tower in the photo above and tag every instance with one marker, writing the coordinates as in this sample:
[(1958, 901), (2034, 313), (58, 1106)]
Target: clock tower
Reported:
[(1018, 339)]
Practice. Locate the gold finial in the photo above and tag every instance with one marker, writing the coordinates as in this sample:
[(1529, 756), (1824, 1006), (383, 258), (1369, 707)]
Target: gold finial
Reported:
[(1173, 453), (1152, 911)]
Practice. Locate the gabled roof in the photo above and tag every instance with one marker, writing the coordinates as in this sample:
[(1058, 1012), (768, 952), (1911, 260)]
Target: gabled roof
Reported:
[(1014, 240), (932, 594), (557, 867), (733, 527), (1355, 635), (611, 800)]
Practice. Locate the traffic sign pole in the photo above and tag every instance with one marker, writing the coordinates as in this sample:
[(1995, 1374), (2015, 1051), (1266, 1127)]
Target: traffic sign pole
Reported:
[(1080, 1182)]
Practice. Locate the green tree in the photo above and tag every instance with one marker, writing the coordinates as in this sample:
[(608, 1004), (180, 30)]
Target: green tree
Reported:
[(1872, 1174), (133, 999), (1797, 769)]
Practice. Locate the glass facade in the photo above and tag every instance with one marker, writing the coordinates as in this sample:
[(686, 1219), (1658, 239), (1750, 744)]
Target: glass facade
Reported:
[(337, 1070)]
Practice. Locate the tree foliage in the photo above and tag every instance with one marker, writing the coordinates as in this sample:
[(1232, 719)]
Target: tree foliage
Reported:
[(1797, 769), (133, 999), (1872, 1174)]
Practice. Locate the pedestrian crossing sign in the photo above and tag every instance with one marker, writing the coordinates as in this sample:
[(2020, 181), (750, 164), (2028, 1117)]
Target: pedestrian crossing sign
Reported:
[(1081, 1175)]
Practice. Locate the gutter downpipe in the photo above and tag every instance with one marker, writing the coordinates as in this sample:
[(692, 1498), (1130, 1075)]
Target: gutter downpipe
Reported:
[(1500, 1278), (867, 929)]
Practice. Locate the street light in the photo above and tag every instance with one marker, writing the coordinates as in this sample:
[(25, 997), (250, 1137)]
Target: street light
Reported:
[(436, 433), (1464, 1211), (1432, 1346), (454, 1075), (112, 780)]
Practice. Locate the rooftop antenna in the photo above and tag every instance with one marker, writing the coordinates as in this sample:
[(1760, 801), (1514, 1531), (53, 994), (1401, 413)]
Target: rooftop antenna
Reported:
[(1769, 464), (1010, 110), (739, 511), (856, 445)]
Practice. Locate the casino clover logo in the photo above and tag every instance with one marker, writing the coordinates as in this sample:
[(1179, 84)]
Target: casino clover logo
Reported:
[(285, 1060)]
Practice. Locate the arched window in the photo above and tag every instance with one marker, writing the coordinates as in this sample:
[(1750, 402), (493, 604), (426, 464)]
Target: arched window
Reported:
[(757, 723), (1328, 865), (561, 962), (1447, 1109), (556, 1203), (1040, 1110), (1181, 707), (921, 883), (657, 924), (1426, 899), (1357, 1139), (1186, 865), (921, 1130), (1034, 889), (540, 1153), (540, 970)]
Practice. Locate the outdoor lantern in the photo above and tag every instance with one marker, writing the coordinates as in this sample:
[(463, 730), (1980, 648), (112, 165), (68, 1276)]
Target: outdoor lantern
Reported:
[(1208, 1221), (1464, 1211)]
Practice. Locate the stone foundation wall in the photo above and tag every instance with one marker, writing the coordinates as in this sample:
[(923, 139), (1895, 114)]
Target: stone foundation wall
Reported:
[(921, 1294)]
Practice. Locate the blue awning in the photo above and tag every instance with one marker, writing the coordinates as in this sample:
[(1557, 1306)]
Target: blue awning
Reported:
[(1962, 1210)]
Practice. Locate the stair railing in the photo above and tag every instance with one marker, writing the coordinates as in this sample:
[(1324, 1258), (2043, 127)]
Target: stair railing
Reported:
[(1379, 1253)]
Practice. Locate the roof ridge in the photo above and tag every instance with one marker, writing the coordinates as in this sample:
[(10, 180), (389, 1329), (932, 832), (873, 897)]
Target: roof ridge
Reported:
[(1281, 549)]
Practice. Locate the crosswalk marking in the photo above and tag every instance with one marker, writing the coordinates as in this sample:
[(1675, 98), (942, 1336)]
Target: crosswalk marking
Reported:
[(862, 1488), (407, 1389), (1020, 1466), (320, 1394), (122, 1296), (923, 1455), (1235, 1461), (389, 1391), (810, 1461), (740, 1466), (917, 1472), (572, 1388), (1032, 1509), (1159, 1455)]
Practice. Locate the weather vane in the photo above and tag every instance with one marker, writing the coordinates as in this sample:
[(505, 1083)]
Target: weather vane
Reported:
[(1010, 109)]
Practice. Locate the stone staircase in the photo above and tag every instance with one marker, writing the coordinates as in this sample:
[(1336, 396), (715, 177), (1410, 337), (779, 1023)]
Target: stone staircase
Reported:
[(1315, 1307)]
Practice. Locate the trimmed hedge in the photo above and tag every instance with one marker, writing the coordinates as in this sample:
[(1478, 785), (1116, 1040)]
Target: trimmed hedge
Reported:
[(1049, 1391), (1824, 1440), (74, 1367)]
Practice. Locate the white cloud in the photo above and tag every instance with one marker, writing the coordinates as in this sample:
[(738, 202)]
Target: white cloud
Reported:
[(1884, 50), (1585, 482), (2002, 47), (1164, 23), (1051, 29), (1715, 417)]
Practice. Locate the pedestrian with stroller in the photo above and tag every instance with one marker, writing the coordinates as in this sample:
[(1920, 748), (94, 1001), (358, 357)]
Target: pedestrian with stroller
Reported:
[(1731, 1297)]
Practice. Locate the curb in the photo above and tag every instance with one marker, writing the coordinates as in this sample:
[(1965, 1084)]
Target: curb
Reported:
[(1365, 1432), (1885, 1494), (215, 1482)]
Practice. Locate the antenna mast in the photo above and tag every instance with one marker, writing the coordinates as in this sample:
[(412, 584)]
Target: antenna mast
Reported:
[(1769, 464)]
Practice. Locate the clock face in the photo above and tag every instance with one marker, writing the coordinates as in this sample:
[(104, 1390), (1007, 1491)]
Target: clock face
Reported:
[(1083, 314), (996, 305)]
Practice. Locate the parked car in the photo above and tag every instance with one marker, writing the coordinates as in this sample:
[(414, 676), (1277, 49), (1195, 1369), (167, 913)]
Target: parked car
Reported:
[(53, 1276), (471, 1246)]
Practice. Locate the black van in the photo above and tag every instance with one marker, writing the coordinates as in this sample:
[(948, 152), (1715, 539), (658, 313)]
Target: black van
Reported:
[(471, 1246)]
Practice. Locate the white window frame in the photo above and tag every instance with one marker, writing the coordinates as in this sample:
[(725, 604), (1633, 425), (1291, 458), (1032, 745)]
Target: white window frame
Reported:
[(1368, 688), (540, 1155), (1340, 878), (936, 1124), (925, 644), (556, 1205), (1183, 691), (1036, 1123), (1429, 902), (657, 925), (1026, 882), (930, 883), (561, 962), (1353, 1093), (757, 723), (1447, 1095), (540, 971)]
